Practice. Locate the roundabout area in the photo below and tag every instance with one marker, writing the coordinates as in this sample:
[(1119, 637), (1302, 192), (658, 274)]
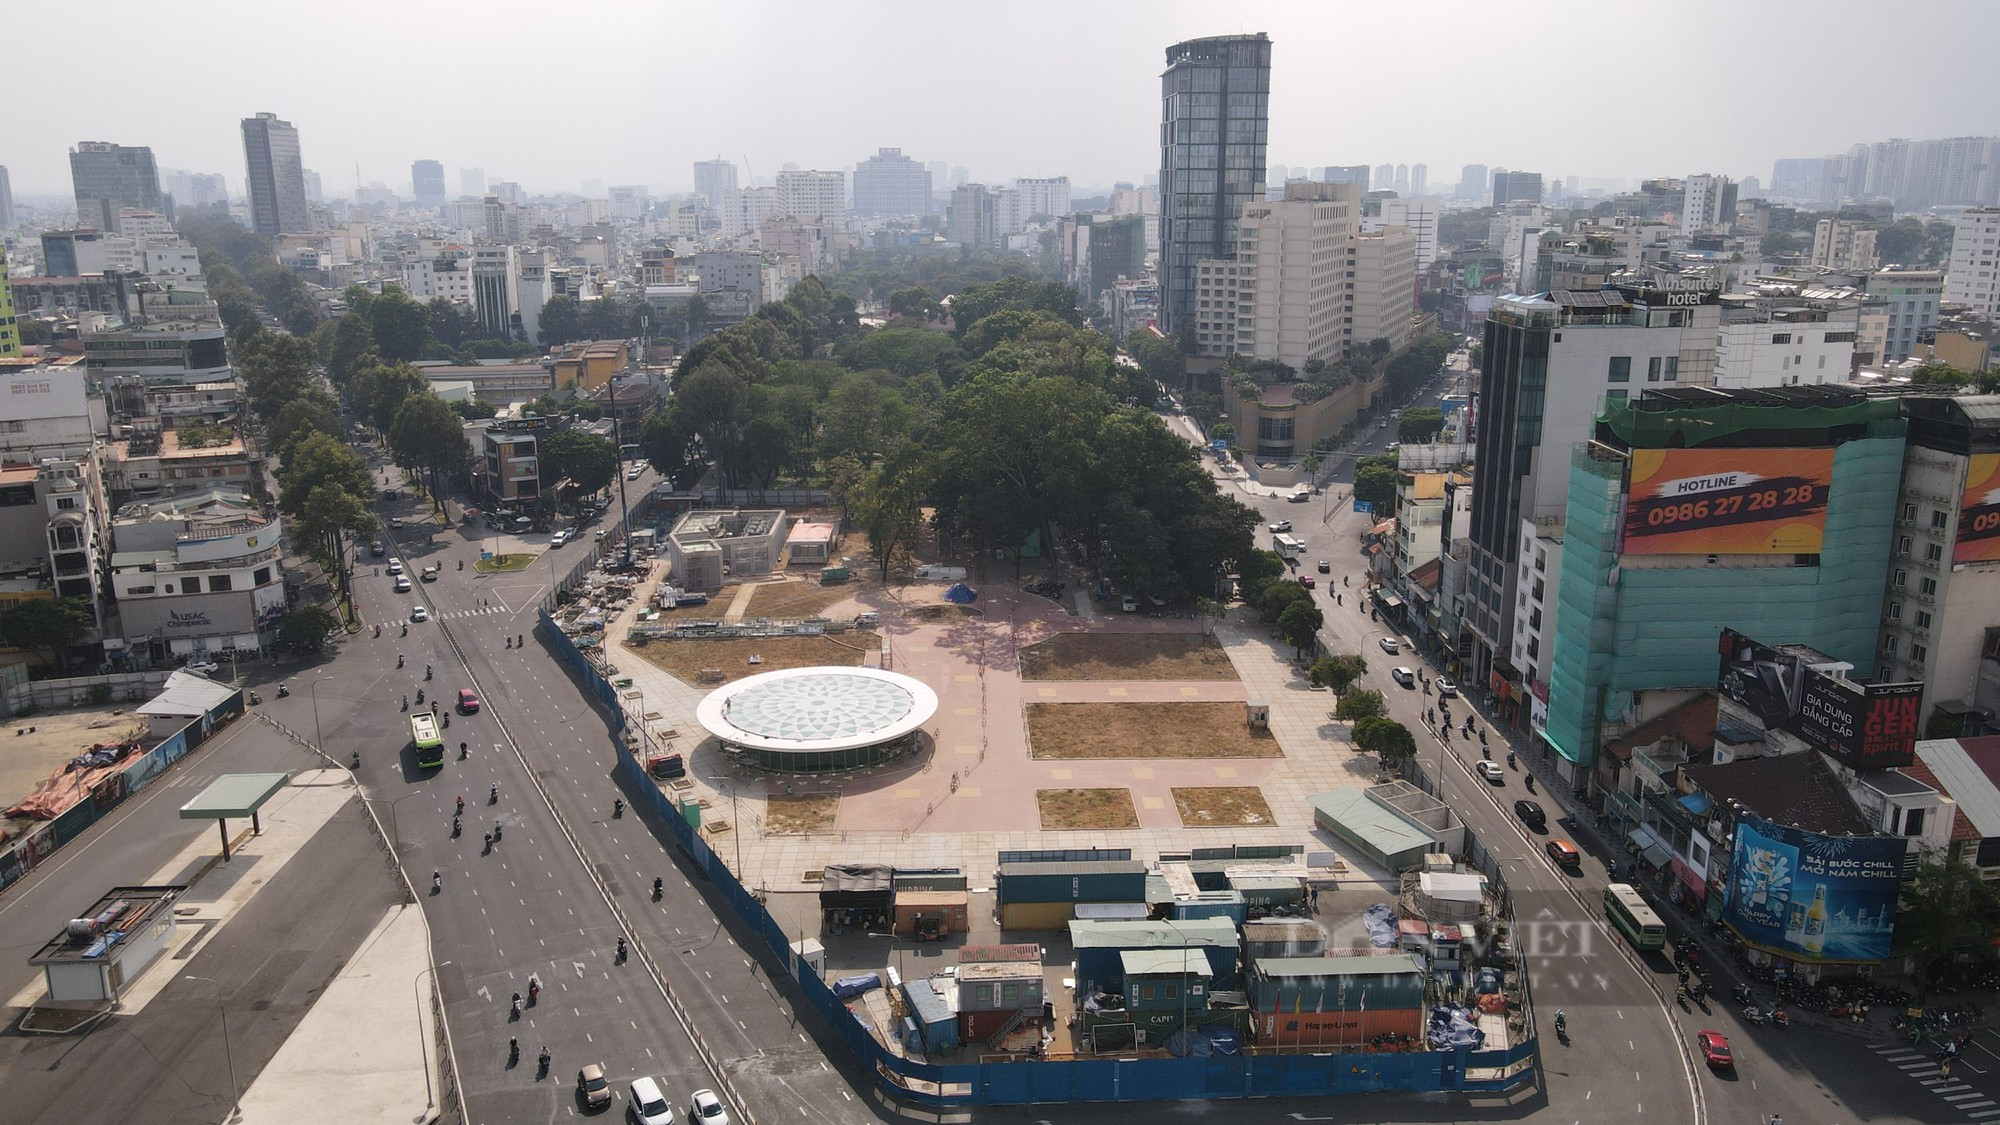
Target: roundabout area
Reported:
[(818, 720)]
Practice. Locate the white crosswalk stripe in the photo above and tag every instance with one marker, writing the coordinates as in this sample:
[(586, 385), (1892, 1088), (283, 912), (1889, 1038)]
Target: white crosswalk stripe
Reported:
[(1925, 1071)]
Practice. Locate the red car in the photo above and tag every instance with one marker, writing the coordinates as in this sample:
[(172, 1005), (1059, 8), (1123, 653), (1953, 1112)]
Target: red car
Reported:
[(1715, 1049), (468, 700), (1307, 581)]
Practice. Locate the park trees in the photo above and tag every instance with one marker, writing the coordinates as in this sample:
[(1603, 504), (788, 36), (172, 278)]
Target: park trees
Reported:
[(46, 625), (588, 462), (428, 435)]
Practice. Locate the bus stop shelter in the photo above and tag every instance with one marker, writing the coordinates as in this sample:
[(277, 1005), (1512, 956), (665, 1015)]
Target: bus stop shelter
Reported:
[(234, 795)]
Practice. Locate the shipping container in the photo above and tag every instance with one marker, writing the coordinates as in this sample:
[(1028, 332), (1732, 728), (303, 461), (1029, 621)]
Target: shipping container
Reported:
[(1089, 881), (1212, 904), (1099, 946), (1303, 984), (943, 912), (1034, 915), (1351, 1028), (976, 1027)]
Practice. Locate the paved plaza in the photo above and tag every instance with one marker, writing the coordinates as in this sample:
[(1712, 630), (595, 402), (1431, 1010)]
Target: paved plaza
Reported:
[(974, 794)]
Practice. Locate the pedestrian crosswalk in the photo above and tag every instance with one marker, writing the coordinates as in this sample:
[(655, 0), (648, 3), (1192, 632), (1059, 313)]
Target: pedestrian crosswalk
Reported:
[(453, 615), (1925, 1069)]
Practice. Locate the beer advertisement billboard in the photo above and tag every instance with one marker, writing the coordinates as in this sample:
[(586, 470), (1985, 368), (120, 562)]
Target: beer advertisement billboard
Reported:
[(1727, 501), (1811, 897), (1979, 511)]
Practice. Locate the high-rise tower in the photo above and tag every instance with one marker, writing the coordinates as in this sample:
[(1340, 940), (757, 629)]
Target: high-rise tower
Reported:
[(1215, 123), (276, 179)]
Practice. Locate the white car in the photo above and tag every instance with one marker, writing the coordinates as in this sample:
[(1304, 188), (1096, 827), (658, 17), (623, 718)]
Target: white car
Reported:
[(704, 1108), (633, 472), (1492, 772), (402, 583), (559, 538), (648, 1105), (1281, 525), (1403, 676), (420, 614), (1391, 646), (395, 566), (202, 667), (1128, 604), (1445, 687)]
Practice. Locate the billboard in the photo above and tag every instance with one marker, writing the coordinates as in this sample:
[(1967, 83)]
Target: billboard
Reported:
[(1861, 726), (1979, 511), (1810, 897), (1727, 501)]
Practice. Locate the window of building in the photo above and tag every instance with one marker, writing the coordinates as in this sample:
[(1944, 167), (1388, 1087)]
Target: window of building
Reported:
[(1940, 520), (1928, 587), (1888, 646), (1909, 511), (1616, 394), (263, 576), (217, 583), (1781, 338), (1895, 611), (1672, 367), (1933, 552), (1653, 370), (1919, 654), (1913, 822), (1904, 544), (1621, 368), (1923, 619)]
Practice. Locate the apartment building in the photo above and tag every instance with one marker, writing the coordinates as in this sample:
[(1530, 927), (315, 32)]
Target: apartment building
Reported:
[(1284, 295), (1972, 278), (200, 574), (1383, 300)]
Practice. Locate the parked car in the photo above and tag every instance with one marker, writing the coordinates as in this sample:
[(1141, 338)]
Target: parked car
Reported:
[(202, 667), (633, 472), (704, 1108), (419, 614), (559, 538), (1403, 676), (1325, 567), (1128, 604), (1715, 1049), (1564, 854), (1492, 772), (592, 1087), (649, 1106), (1445, 688), (468, 700), (1391, 646), (1531, 814), (1308, 581), (1281, 526)]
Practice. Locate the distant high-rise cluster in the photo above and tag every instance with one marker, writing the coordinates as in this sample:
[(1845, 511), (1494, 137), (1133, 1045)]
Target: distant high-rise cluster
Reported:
[(111, 178), (427, 182), (889, 183), (1911, 175)]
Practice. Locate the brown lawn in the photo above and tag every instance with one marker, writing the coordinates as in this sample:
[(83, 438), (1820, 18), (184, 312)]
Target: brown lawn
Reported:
[(1233, 806), (1086, 808), (935, 613), (1145, 730), (1127, 656), (800, 815), (684, 659), (801, 595)]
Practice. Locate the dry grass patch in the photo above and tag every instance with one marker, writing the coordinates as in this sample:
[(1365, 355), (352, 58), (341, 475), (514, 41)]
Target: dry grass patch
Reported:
[(800, 815), (932, 613), (1230, 806), (801, 595), (1086, 808), (1127, 656), (1145, 730), (684, 658)]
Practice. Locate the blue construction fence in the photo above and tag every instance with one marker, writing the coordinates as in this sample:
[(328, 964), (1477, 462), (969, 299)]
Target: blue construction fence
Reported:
[(1022, 1081), (111, 790)]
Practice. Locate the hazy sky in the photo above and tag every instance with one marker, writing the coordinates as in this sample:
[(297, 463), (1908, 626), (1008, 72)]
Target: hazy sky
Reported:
[(623, 91)]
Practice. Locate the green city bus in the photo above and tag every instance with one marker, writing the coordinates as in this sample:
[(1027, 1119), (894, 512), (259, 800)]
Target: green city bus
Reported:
[(1629, 912), (430, 747)]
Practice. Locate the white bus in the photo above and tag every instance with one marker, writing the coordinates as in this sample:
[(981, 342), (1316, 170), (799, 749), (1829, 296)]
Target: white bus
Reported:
[(1288, 546)]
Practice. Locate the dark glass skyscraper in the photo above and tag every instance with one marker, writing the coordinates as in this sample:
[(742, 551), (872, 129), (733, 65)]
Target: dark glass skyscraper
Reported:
[(1215, 122), (276, 179), (427, 182), (110, 178)]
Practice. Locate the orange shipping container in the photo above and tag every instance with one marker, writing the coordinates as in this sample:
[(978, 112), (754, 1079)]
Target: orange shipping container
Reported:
[(1335, 1028), (950, 905)]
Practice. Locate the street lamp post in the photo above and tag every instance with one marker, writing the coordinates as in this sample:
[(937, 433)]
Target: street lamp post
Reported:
[(423, 1046), (319, 743), (229, 1056), (395, 831)]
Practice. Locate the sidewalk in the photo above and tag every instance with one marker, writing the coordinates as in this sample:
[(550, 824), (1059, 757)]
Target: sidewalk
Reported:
[(355, 1057)]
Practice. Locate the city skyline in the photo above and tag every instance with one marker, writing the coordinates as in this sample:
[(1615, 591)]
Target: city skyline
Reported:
[(1436, 102)]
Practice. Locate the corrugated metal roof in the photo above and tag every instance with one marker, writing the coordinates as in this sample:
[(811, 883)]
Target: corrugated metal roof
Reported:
[(1155, 935), (1272, 967), (1958, 765), (1080, 867), (185, 693), (1185, 962), (1382, 827)]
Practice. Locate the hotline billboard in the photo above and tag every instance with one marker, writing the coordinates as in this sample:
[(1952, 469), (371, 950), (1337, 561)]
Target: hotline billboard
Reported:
[(1979, 511), (1727, 501), (1810, 897)]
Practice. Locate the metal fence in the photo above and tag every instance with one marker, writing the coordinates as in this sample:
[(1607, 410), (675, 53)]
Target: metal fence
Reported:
[(1257, 1073)]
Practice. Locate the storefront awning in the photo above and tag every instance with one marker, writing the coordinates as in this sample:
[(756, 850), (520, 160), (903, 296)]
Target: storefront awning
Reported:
[(1649, 847)]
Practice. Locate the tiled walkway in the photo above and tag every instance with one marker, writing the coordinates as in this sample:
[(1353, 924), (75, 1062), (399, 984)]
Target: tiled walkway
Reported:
[(975, 795)]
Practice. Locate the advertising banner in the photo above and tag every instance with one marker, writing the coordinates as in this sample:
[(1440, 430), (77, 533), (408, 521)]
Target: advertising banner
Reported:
[(1979, 511), (1727, 501), (1811, 897), (1861, 726)]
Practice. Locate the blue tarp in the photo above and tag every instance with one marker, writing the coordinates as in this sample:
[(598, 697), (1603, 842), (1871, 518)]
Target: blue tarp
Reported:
[(847, 988), (960, 594)]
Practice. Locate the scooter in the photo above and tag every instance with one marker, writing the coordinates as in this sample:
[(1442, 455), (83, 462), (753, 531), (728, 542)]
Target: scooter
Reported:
[(255, 699), (378, 630), (513, 1052), (534, 990), (456, 828), (617, 808), (399, 660), (406, 703), (355, 763), (460, 811), (427, 672), (420, 697), (437, 882), (461, 564), (658, 886), (496, 831), (542, 1065), (447, 720), (461, 757), (1753, 1015), (621, 950), (1779, 1018), (1741, 994), (516, 1012), (1529, 781), (283, 691)]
